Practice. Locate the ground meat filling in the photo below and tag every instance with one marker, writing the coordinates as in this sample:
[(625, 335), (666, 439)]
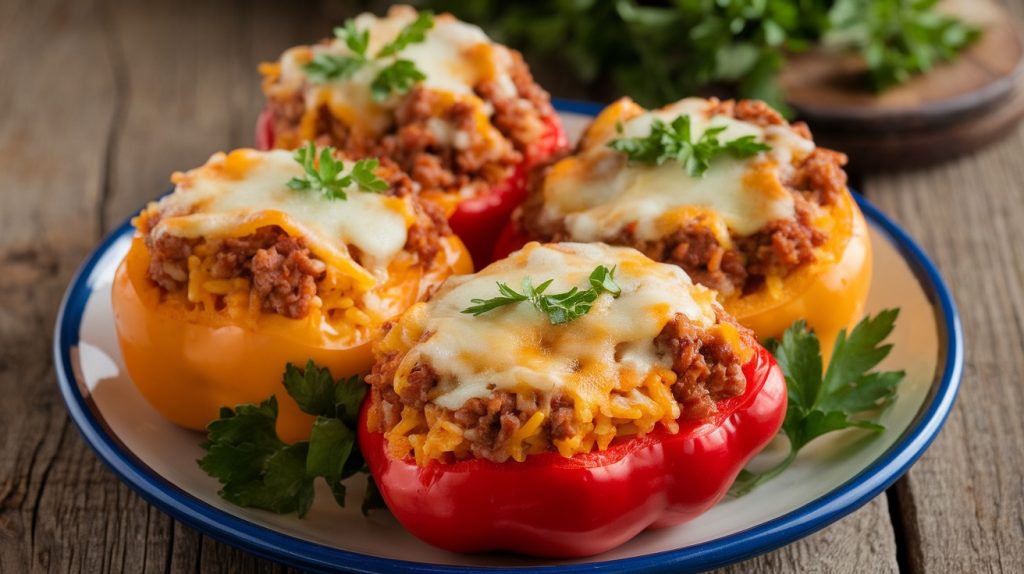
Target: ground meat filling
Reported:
[(282, 272), (708, 368), (467, 161), (780, 247)]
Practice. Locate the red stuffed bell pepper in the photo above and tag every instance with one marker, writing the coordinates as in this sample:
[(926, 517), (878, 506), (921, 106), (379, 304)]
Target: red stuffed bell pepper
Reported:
[(535, 425), (467, 122)]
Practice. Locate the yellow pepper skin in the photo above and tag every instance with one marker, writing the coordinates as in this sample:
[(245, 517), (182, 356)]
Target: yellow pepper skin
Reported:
[(187, 368), (829, 294)]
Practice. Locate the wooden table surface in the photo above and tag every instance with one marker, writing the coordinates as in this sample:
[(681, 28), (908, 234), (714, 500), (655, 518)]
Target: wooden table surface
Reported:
[(101, 100)]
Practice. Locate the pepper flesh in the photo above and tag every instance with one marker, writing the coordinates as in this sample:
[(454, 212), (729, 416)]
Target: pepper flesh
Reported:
[(558, 507), (829, 294), (476, 220), (187, 369)]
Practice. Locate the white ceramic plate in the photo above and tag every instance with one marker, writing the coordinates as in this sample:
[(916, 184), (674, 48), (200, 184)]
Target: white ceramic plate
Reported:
[(832, 477)]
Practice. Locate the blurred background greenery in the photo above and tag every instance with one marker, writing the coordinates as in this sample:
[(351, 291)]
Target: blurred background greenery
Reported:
[(660, 51)]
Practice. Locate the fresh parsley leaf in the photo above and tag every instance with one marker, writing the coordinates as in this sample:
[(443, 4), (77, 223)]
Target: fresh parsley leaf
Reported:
[(312, 388), (674, 142), (362, 174), (414, 33), (330, 445), (348, 396), (848, 395), (257, 469), (325, 68), (398, 77), (283, 487), (560, 308), (356, 40), (327, 176)]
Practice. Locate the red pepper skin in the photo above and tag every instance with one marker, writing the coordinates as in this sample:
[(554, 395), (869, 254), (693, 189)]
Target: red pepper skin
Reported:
[(509, 240), (477, 220), (558, 507)]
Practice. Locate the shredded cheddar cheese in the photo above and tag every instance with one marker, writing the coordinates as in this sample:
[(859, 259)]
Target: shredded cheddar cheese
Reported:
[(607, 361)]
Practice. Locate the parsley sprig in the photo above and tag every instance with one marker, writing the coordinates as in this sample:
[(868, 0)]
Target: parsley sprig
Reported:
[(560, 308), (740, 44), (397, 76), (849, 395), (257, 469), (674, 142), (327, 175)]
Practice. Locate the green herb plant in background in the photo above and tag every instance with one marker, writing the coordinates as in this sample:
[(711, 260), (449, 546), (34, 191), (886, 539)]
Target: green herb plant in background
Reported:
[(660, 51)]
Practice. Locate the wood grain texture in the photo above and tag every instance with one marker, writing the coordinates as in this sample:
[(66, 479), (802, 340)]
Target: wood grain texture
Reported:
[(964, 501), (860, 543), (123, 93)]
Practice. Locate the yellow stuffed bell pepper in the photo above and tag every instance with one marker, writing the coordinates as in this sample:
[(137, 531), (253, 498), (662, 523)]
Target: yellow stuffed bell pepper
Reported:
[(255, 261), (729, 191)]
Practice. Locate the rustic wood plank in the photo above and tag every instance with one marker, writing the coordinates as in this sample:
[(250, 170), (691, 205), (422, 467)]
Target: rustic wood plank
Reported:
[(52, 165), (862, 542), (964, 501)]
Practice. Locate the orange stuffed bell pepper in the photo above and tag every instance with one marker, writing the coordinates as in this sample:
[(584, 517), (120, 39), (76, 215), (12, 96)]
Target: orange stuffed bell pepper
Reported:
[(467, 122), (562, 400), (740, 199), (258, 259)]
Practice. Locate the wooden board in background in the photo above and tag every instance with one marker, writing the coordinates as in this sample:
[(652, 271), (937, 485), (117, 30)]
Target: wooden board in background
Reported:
[(954, 109)]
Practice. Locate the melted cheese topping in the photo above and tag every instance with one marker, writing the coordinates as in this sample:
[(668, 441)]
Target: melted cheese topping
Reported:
[(234, 194), (516, 348), (454, 56), (598, 192)]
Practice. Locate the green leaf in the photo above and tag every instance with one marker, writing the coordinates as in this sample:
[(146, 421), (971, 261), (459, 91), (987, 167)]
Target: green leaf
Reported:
[(356, 40), (364, 176), (560, 307), (324, 68), (284, 487), (312, 388), (848, 395), (327, 175), (348, 396), (330, 445), (860, 352), (247, 425), (799, 356), (674, 142), (258, 470), (398, 77), (414, 33), (602, 280)]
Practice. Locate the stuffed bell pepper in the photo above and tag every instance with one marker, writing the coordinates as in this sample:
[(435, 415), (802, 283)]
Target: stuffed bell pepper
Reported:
[(562, 400), (461, 114), (258, 259), (740, 199)]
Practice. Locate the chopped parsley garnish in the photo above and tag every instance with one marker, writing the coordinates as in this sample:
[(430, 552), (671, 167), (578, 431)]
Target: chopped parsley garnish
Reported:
[(258, 470), (414, 33), (327, 177), (674, 141), (398, 76), (560, 308), (849, 394)]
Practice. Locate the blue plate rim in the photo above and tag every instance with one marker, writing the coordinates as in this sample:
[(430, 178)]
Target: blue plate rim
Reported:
[(756, 540)]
